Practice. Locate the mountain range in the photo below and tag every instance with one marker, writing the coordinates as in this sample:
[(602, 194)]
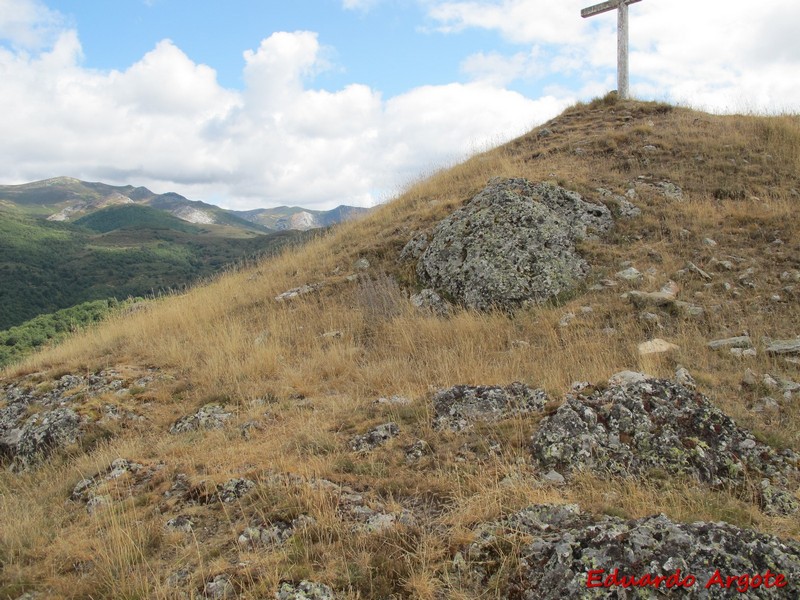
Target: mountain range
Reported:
[(64, 242), (68, 199)]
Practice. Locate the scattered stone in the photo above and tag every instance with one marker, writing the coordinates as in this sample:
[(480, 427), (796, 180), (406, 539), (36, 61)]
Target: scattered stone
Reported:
[(767, 404), (459, 407), (332, 335), (554, 477), (627, 378), (374, 437), (210, 416), (428, 299), (181, 523), (566, 319), (305, 590), (362, 264), (629, 430), (721, 264), (781, 347), (219, 588), (561, 547), (629, 274), (273, 534), (297, 292), (684, 378), (393, 401), (709, 242), (511, 245), (656, 346), (417, 450), (750, 378), (693, 268), (743, 352), (742, 341), (234, 489)]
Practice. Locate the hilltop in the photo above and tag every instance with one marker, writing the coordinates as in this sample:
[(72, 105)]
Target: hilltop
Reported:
[(350, 420)]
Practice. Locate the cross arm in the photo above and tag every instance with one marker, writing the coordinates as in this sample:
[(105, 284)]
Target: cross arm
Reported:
[(605, 7)]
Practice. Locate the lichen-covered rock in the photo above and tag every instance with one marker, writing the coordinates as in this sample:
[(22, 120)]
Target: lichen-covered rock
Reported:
[(39, 417), (273, 534), (210, 416), (459, 407), (39, 435), (630, 429), (305, 590), (563, 547), (512, 244), (374, 437)]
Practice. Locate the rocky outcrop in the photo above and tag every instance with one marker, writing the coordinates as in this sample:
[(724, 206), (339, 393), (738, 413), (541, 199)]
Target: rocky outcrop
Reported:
[(374, 437), (210, 416), (512, 244), (459, 407), (566, 553), (305, 590), (631, 429), (38, 417)]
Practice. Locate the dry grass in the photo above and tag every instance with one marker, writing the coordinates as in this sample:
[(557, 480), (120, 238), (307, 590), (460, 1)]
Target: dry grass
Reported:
[(272, 363)]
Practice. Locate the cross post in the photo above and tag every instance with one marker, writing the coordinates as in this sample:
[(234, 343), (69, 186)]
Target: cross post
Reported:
[(621, 6)]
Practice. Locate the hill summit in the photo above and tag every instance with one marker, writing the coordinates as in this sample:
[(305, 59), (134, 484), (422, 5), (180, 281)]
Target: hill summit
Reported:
[(568, 367)]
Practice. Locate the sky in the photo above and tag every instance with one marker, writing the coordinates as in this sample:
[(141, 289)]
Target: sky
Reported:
[(316, 103)]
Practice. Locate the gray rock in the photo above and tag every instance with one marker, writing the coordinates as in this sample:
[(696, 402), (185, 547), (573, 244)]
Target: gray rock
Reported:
[(512, 244), (428, 299), (305, 590), (684, 378), (627, 378), (742, 341), (219, 588), (210, 416), (234, 489), (629, 274), (559, 546), (784, 347), (461, 406), (180, 523), (39, 436), (374, 437), (415, 247), (297, 292), (628, 430)]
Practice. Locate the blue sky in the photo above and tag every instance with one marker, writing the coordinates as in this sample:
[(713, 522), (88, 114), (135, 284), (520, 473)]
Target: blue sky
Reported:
[(249, 103)]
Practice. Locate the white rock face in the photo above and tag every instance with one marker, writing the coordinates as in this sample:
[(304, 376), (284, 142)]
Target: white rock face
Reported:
[(303, 220), (194, 215)]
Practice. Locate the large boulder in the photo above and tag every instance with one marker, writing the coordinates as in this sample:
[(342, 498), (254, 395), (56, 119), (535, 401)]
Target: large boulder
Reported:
[(566, 553), (512, 244), (634, 429)]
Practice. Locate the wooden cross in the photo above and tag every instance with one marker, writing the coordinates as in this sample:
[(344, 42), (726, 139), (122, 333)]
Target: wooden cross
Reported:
[(621, 6)]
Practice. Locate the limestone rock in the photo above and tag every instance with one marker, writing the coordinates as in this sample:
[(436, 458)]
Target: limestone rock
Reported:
[(512, 244), (630, 429), (656, 346), (459, 407), (742, 341), (297, 292), (561, 544), (210, 416), (374, 437), (428, 299), (784, 346), (305, 590)]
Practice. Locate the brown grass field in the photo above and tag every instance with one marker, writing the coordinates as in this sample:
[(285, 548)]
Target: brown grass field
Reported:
[(229, 341)]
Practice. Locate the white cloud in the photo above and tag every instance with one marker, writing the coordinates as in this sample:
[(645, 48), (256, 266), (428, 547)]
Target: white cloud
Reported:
[(165, 122), (716, 54), (29, 24), (363, 5)]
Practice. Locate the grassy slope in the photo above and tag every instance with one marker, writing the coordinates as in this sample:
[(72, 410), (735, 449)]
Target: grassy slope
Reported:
[(230, 340)]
